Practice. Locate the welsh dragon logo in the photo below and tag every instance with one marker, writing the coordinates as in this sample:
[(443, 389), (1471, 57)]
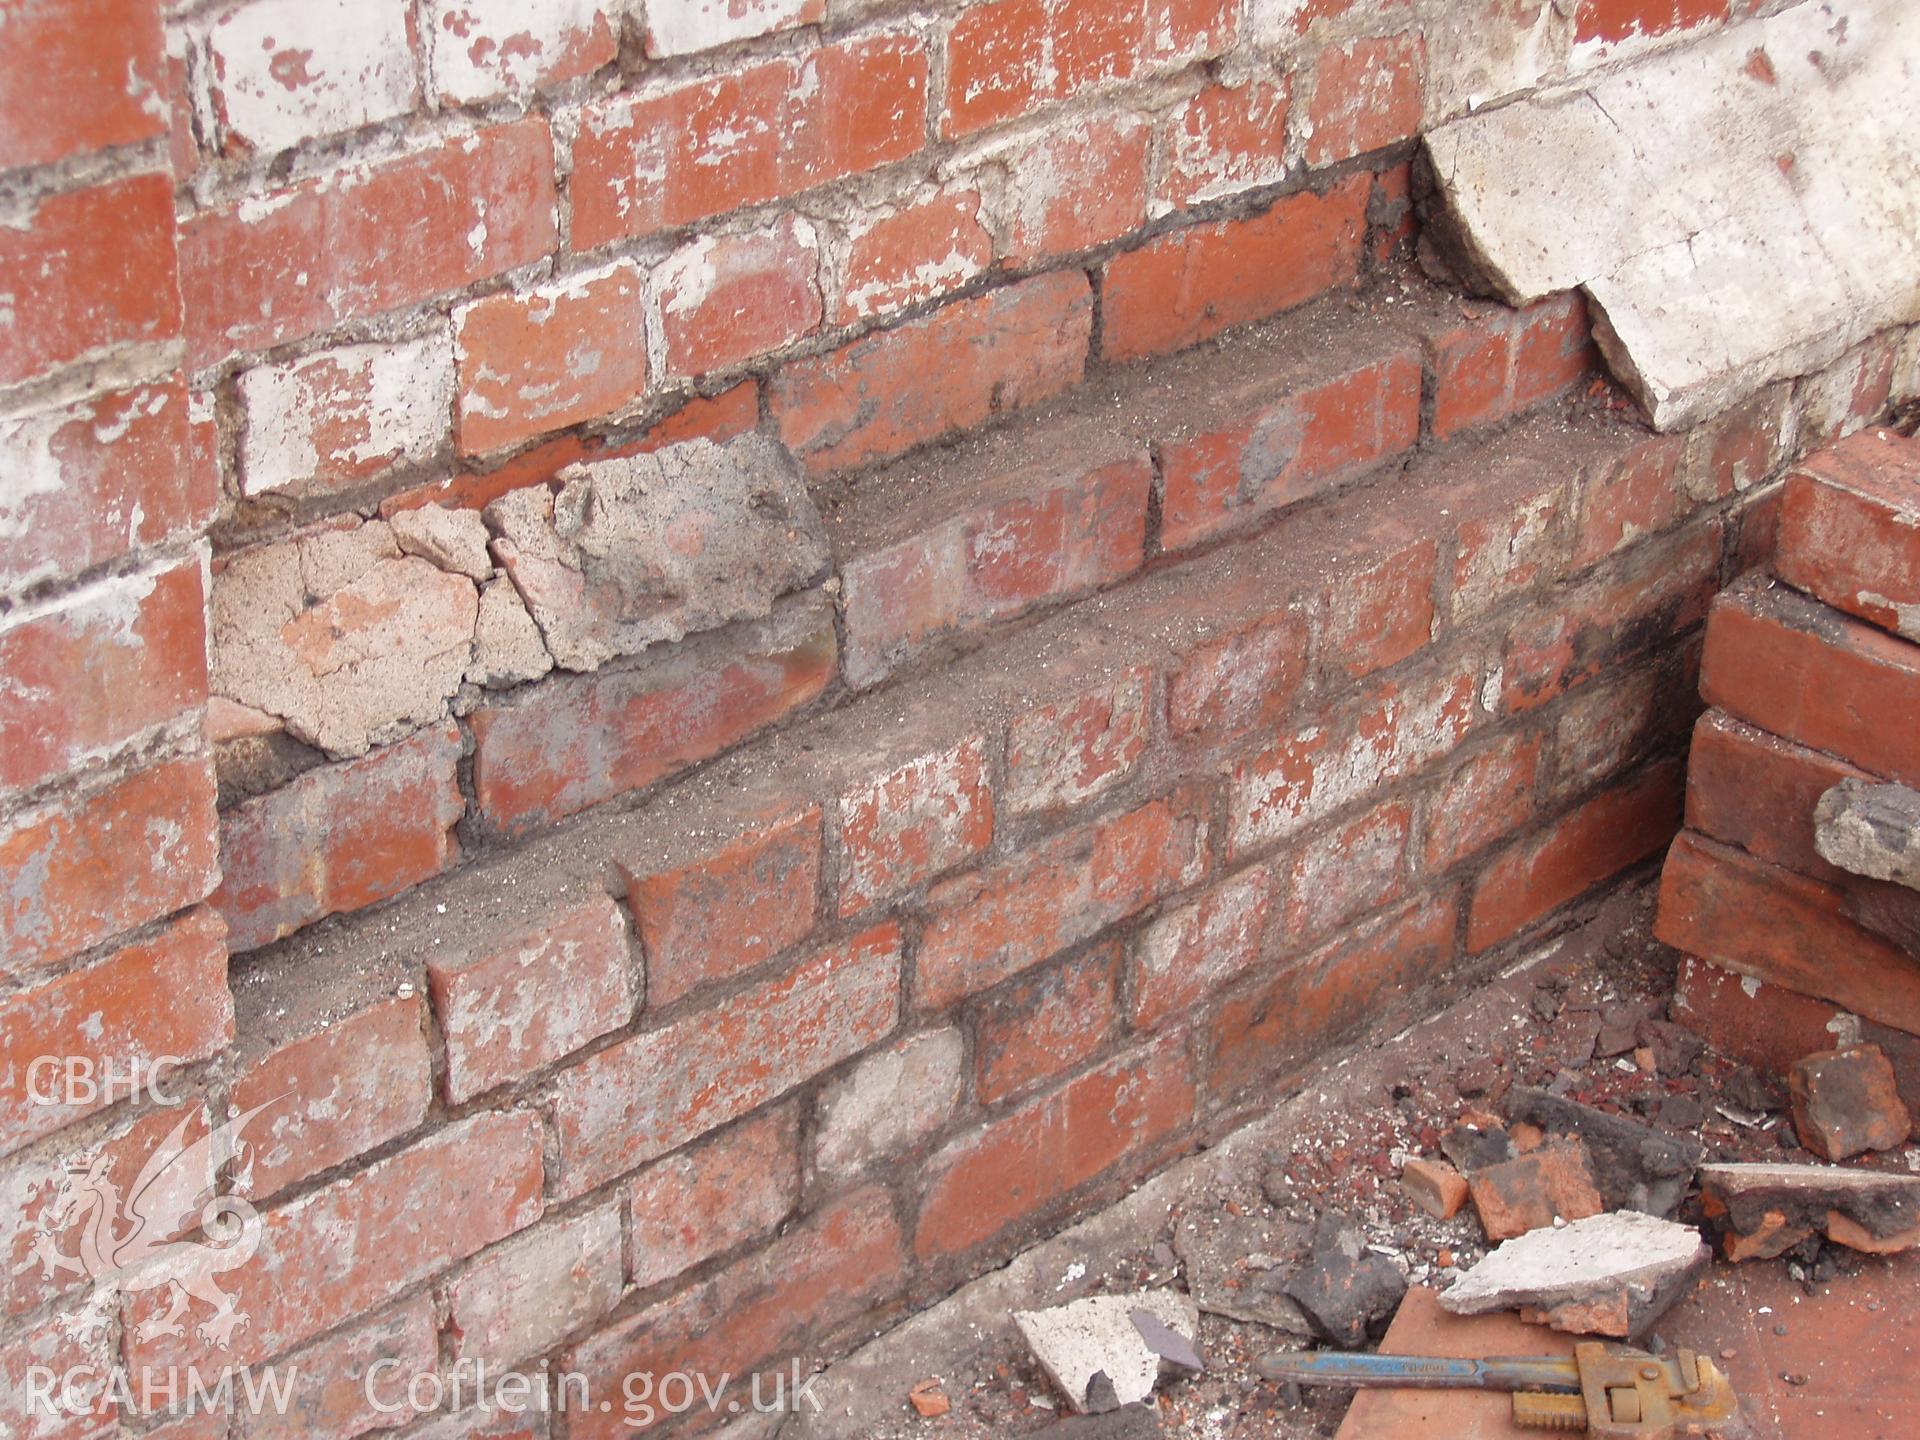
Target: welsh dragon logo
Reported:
[(123, 1241)]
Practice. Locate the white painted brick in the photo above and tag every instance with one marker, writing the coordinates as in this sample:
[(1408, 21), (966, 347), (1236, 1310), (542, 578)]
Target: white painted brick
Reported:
[(682, 27), (340, 416), (287, 71), (484, 48)]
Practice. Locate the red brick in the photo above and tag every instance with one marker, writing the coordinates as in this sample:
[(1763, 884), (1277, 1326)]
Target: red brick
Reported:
[(1610, 832), (1802, 671), (1769, 1026), (1185, 956), (992, 924), (1391, 214), (947, 371), (333, 1085), (833, 1266), (1515, 548), (86, 868), (1244, 681), (1845, 1103), (1531, 1191), (1757, 791), (651, 1094), (1007, 57), (78, 76), (1045, 1024), (750, 135), (1065, 529), (31, 1189), (333, 1386), (166, 996), (98, 667), (527, 1295), (728, 910), (484, 48), (687, 29), (1725, 906), (1366, 95), (1224, 140), (1067, 753), (182, 144), (371, 238), (1397, 729), (718, 418), (1078, 186), (1656, 592), (911, 824), (1486, 799), (1381, 615), (1740, 448), (1317, 1001), (340, 838), (1288, 450), (713, 1196), (576, 742), (512, 1007), (410, 1216), (1507, 361), (1349, 870), (1613, 20), (1057, 540), (1847, 530), (1189, 285), (918, 252), (1640, 495), (1017, 1167), (1607, 726), (60, 1343), (89, 269), (542, 359), (726, 299), (1848, 394)]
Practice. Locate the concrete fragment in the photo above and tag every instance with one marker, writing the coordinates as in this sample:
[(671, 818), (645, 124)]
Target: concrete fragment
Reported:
[(1075, 1340), (1533, 1190), (1436, 1187), (648, 548), (1766, 1210), (1729, 219), (1344, 1287), (1846, 1102), (892, 1098), (1635, 1166), (1872, 830), (1608, 1274), (347, 640), (507, 649), (454, 540)]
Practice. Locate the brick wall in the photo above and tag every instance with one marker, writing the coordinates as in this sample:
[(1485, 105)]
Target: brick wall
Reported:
[(1281, 640)]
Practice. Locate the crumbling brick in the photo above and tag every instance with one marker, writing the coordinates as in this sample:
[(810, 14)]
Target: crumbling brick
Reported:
[(1845, 1103), (1533, 1190)]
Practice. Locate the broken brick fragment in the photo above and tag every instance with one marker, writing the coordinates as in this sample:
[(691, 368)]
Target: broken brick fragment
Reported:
[(1846, 1102), (1436, 1187), (1533, 1190), (1766, 1210)]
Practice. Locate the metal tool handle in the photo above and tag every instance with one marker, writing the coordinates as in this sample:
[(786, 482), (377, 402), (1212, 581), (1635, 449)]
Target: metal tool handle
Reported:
[(1413, 1372)]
